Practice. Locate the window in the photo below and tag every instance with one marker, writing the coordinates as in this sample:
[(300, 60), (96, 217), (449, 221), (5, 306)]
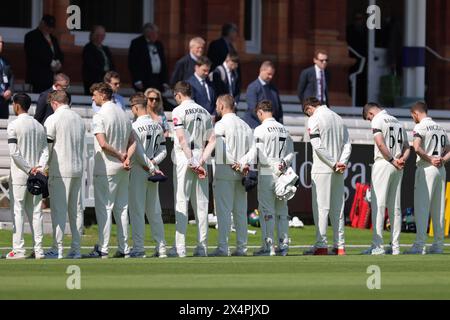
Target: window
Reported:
[(14, 26), (9, 16), (252, 26), (115, 15), (123, 20)]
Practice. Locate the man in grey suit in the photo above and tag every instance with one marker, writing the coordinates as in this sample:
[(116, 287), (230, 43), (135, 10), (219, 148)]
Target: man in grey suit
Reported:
[(314, 81)]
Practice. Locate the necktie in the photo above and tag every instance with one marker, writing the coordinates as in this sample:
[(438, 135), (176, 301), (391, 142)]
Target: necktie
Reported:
[(322, 86), (205, 86), (231, 84)]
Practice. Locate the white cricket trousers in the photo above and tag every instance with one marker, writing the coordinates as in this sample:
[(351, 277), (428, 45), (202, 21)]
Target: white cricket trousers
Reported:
[(111, 197), (188, 187), (273, 212), (23, 202), (386, 193), (328, 201), (65, 200), (231, 198), (144, 200), (429, 197)]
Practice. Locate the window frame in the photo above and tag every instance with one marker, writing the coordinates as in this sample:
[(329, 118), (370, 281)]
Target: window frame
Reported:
[(113, 39), (253, 46)]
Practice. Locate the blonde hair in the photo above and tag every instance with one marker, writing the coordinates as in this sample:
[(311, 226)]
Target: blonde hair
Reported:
[(159, 107), (197, 40)]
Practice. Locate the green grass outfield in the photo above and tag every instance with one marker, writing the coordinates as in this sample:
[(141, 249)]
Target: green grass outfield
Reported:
[(292, 277)]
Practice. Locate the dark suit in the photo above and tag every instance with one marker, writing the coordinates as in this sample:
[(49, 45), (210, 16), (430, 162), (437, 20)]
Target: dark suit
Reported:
[(5, 70), (184, 69), (140, 65), (256, 92), (39, 56), (307, 84), (221, 83), (200, 96), (218, 50), (94, 65)]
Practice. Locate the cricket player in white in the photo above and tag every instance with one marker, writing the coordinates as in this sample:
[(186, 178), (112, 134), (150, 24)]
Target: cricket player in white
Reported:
[(29, 154), (194, 142), (391, 151), (144, 195), (332, 148), (431, 144), (234, 139), (112, 129), (65, 138), (274, 153)]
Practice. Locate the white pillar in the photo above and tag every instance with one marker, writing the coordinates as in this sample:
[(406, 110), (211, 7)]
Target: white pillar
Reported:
[(414, 45)]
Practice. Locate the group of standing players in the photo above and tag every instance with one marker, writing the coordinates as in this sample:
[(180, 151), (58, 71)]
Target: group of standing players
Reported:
[(126, 175)]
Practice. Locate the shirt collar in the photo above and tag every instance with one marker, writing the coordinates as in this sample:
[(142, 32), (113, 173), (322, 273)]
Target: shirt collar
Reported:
[(379, 114), (426, 119), (262, 81), (193, 57), (318, 70), (229, 115), (269, 119), (23, 115), (198, 78), (145, 116), (226, 67), (62, 107)]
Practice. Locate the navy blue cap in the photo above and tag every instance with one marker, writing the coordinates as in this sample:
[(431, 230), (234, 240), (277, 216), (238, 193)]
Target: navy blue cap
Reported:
[(157, 178), (38, 184), (250, 181)]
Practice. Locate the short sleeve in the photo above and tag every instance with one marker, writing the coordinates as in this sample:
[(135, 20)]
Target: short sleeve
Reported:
[(178, 121), (219, 129), (377, 127), (98, 126), (313, 128), (419, 132), (12, 136), (49, 126)]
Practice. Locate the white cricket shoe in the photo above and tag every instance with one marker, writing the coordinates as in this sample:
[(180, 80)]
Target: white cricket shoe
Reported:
[(13, 255), (395, 251), (374, 251)]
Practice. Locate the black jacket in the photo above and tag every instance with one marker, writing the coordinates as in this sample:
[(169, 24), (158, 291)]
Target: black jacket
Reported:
[(39, 56), (5, 68), (184, 69), (220, 83), (140, 66), (94, 65), (307, 84)]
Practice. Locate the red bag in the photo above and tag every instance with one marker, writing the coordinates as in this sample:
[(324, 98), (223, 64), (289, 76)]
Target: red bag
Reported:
[(360, 213)]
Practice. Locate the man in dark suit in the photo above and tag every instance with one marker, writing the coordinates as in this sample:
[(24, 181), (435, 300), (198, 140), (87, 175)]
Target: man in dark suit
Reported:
[(225, 79), (314, 81), (6, 78), (147, 61), (220, 48), (263, 89), (202, 90), (185, 67), (97, 59), (44, 57), (43, 108)]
